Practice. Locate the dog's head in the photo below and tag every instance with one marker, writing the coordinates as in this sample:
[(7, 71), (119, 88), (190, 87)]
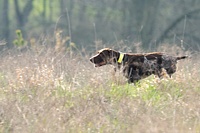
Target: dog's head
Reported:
[(105, 56)]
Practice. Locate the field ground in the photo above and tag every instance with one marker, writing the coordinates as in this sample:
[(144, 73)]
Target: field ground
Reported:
[(49, 92)]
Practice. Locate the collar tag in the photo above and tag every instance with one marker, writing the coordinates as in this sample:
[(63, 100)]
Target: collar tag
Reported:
[(121, 56)]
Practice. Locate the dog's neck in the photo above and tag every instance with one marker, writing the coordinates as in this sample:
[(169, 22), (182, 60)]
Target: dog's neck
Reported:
[(120, 58)]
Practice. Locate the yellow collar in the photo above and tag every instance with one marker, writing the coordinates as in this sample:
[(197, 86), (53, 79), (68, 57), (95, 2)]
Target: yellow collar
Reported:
[(121, 56)]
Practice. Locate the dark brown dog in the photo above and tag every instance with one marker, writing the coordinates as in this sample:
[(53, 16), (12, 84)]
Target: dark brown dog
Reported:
[(137, 66)]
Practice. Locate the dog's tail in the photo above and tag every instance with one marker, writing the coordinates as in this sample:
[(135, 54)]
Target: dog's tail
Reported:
[(181, 57)]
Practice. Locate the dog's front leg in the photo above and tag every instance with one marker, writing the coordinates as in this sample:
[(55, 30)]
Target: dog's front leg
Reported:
[(133, 75)]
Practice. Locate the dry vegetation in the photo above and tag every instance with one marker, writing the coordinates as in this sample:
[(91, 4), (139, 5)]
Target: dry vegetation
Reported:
[(51, 92)]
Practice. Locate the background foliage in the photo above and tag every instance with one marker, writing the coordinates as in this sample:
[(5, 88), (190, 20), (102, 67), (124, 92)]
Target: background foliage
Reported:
[(87, 22)]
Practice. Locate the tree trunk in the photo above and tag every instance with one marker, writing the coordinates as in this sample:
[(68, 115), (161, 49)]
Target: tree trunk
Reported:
[(22, 16), (51, 11), (5, 23), (44, 15)]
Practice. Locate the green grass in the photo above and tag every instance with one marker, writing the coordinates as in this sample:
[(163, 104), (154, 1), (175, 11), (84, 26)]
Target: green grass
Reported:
[(52, 92)]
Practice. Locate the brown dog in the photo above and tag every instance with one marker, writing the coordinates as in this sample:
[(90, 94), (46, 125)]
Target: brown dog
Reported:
[(137, 66)]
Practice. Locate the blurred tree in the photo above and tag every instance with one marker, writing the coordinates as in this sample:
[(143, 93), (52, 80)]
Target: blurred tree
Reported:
[(139, 18), (150, 22), (51, 10), (44, 14), (22, 16), (175, 22), (5, 22)]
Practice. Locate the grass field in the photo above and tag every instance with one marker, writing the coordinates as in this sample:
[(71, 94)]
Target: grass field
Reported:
[(49, 92)]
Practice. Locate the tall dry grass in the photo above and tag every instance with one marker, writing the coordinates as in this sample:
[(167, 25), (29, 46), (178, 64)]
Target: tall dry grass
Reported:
[(61, 92)]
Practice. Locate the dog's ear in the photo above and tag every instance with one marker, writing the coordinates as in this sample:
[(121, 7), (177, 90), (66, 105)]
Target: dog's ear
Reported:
[(104, 49), (108, 49)]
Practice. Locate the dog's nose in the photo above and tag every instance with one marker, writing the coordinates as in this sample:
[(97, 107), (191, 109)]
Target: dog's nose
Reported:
[(91, 59)]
